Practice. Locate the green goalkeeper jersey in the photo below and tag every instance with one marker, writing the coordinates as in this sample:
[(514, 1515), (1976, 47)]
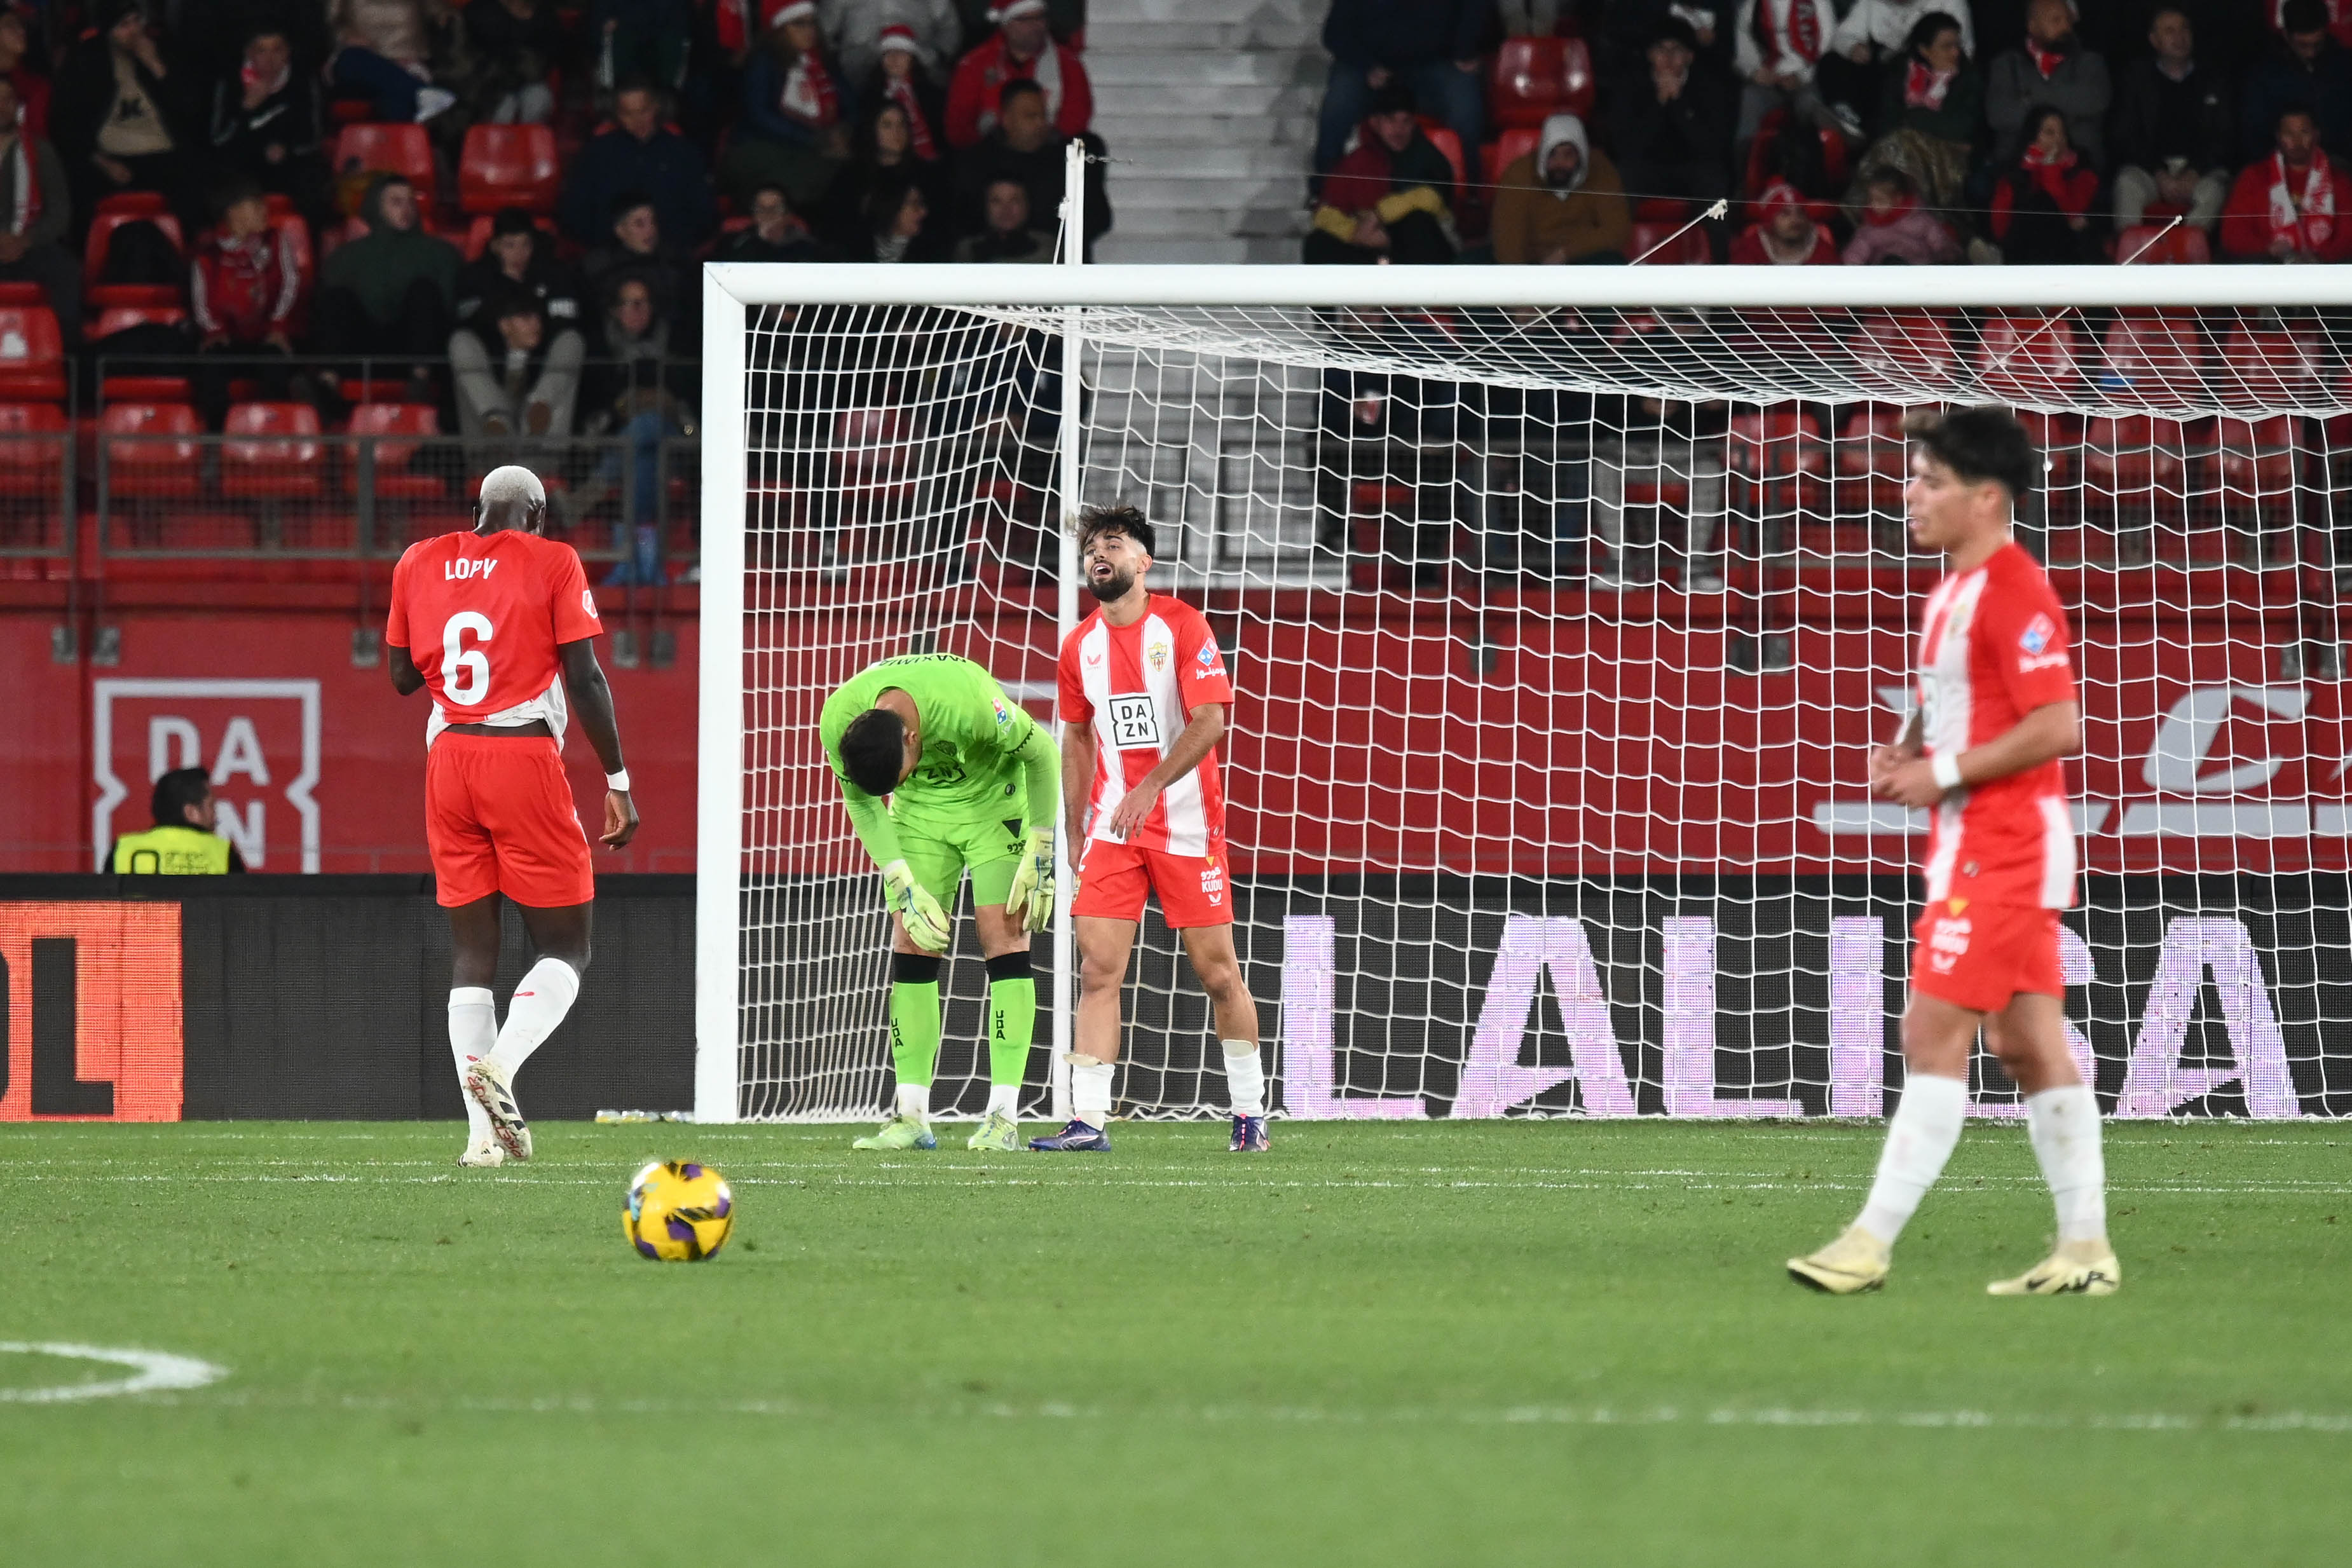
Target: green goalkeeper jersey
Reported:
[(983, 758)]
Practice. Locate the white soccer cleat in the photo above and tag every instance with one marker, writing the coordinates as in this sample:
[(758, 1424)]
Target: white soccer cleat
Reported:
[(493, 1093), (483, 1153), (2075, 1268), (1856, 1261)]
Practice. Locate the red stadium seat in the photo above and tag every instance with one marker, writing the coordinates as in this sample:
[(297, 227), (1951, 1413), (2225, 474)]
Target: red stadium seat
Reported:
[(32, 355), (1534, 79), (2256, 468), (1779, 467), (2270, 361), (508, 166), (2154, 357), (272, 469), (1691, 250), (1447, 142), (119, 317), (1872, 456), (2135, 468), (23, 294), (32, 448), (141, 461), (393, 149), (2030, 358), (112, 213), (1906, 355), (394, 481), (1506, 150), (2158, 244)]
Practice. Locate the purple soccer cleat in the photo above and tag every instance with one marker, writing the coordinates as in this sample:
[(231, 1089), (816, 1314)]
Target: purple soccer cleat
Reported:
[(1073, 1138), (1249, 1135)]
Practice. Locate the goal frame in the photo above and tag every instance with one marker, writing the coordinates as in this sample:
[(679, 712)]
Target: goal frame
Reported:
[(729, 288)]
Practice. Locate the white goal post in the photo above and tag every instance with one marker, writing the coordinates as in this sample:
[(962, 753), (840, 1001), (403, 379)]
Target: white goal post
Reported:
[(1561, 603)]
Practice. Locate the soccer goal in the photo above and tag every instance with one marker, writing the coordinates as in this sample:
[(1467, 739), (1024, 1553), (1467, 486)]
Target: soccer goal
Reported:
[(1563, 605)]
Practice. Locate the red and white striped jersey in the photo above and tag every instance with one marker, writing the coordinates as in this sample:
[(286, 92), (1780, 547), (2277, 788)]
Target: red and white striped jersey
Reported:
[(1993, 649), (1137, 685)]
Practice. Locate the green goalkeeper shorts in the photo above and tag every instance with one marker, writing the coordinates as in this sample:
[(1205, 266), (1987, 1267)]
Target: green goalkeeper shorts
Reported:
[(938, 852)]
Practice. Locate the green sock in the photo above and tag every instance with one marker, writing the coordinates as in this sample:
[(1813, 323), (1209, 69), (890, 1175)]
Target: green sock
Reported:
[(915, 1030), (1012, 1022)]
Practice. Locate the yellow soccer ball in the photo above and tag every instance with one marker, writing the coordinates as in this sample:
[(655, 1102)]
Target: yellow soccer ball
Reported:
[(679, 1212)]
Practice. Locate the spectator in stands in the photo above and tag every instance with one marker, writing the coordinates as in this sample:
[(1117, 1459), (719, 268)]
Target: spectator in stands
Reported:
[(640, 392), (1671, 134), (2338, 14), (1429, 48), (1390, 199), (2306, 70), (902, 74), (638, 152), (182, 841), (122, 115), (268, 124), (854, 31), (245, 296), (521, 377), (634, 249), (2041, 201), (17, 63), (2050, 67), (1871, 44), (38, 211), (1065, 20), (518, 257), (2286, 207), (1022, 46), (1932, 111), (1784, 233), (1776, 45), (1022, 146), (797, 111), (1896, 229), (2173, 128), (389, 292), (1562, 203), (777, 233), (885, 153), (382, 54), (898, 222), (1006, 232), (518, 44), (650, 41), (1634, 23)]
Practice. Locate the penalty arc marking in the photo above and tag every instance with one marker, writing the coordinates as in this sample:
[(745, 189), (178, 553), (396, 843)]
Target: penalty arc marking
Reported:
[(153, 1371)]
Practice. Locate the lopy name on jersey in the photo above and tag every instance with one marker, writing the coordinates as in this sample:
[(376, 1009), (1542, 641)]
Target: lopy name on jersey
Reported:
[(461, 568)]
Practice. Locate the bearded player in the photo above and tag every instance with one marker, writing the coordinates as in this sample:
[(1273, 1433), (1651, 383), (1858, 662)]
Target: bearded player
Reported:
[(941, 774), (500, 623), (1144, 695), (1996, 712)]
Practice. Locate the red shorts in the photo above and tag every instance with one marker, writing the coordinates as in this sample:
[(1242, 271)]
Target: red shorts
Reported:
[(1114, 877), (1979, 956), (499, 818)]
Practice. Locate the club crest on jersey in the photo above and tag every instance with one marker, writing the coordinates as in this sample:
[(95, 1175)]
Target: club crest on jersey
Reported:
[(1156, 652), (2038, 633)]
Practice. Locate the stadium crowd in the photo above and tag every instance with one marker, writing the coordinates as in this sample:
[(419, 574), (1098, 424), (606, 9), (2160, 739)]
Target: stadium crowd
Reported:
[(1839, 131)]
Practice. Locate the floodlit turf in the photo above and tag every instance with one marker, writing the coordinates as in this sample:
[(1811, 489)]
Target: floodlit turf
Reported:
[(1488, 1344)]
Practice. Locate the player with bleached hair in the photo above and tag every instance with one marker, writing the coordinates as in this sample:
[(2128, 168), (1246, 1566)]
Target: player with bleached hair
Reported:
[(500, 623), (940, 772), (1982, 754)]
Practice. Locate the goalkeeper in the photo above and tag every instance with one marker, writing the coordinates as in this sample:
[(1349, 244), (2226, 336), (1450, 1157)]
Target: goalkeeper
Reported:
[(940, 772)]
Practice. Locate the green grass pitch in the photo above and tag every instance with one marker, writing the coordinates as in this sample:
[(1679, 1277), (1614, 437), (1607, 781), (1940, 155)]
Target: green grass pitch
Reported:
[(1499, 1342)]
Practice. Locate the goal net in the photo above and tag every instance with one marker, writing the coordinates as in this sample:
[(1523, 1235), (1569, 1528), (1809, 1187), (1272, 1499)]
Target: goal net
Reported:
[(1563, 606)]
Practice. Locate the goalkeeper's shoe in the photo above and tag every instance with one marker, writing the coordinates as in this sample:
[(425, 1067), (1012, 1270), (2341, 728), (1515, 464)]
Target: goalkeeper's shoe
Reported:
[(1856, 1261), (997, 1131), (493, 1091), (1249, 1135), (483, 1153), (898, 1132), (1075, 1137), (2075, 1268)]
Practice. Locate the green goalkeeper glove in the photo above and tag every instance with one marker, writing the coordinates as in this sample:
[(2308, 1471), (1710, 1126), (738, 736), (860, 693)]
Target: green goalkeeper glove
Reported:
[(1031, 900), (917, 910)]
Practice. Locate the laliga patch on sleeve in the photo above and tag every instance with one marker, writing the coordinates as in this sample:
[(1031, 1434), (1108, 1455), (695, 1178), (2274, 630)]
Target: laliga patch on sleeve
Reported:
[(2038, 635)]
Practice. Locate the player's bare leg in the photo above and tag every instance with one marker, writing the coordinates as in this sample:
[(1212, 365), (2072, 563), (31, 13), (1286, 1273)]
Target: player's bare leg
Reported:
[(1210, 948), (1103, 946), (2061, 1118), (561, 935)]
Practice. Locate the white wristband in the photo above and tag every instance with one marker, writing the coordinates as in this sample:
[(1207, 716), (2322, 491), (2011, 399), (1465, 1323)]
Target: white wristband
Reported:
[(1946, 767), (618, 781)]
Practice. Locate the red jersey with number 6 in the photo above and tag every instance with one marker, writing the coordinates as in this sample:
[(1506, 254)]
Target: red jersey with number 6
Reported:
[(1137, 685), (1993, 649), (482, 615)]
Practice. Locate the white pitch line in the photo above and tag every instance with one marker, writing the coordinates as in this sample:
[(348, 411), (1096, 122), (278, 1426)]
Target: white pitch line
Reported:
[(157, 1372)]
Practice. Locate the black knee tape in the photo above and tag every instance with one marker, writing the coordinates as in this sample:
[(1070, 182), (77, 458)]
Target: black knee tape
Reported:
[(1011, 967), (914, 968)]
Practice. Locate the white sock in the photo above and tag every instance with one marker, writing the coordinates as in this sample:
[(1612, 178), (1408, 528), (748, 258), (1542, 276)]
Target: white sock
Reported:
[(1245, 1077), (915, 1099), (1920, 1136), (473, 1031), (1090, 1089), (1004, 1100), (2064, 1124), (539, 1001)]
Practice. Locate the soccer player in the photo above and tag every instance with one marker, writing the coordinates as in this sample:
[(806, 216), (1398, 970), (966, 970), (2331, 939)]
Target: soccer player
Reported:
[(500, 623), (1996, 712), (1144, 695), (970, 779)]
